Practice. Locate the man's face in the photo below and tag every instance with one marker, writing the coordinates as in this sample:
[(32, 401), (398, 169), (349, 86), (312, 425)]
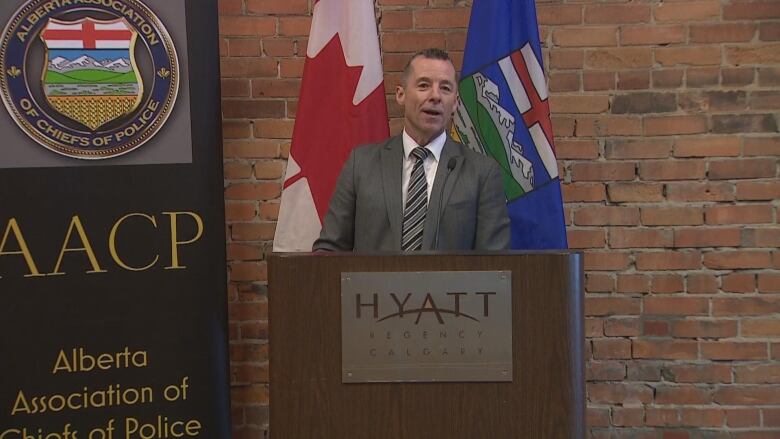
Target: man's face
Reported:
[(428, 97)]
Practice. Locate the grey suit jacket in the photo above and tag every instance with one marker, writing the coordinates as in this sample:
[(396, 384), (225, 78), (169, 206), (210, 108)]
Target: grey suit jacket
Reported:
[(365, 213)]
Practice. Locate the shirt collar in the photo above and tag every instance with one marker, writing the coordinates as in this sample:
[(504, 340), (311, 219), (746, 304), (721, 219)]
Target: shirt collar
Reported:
[(435, 146)]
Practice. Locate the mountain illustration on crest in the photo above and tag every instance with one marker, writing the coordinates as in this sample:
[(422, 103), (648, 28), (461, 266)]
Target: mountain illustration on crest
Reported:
[(63, 65)]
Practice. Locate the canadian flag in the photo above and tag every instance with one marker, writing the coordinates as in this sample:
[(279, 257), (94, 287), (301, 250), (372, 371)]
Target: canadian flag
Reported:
[(342, 105)]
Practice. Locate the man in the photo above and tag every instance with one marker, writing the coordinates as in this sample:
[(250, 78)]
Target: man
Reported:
[(420, 190)]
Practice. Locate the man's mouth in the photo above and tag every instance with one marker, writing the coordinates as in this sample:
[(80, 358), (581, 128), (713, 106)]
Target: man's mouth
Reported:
[(431, 112)]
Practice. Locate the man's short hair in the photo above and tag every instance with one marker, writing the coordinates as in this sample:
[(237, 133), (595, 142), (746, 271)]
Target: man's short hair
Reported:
[(429, 53)]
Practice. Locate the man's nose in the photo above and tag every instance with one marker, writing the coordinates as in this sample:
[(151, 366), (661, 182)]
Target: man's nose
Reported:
[(435, 94)]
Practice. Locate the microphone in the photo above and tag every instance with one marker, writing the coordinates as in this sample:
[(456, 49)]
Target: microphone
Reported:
[(450, 166)]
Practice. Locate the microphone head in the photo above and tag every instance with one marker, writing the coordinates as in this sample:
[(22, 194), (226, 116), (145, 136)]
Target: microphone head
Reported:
[(452, 163)]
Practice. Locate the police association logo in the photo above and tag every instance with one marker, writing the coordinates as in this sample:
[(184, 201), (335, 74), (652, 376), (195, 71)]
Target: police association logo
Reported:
[(89, 79)]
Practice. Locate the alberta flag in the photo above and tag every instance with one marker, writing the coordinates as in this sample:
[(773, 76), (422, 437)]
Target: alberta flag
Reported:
[(504, 112)]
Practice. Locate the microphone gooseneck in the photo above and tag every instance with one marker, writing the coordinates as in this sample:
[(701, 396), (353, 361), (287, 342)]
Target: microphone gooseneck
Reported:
[(450, 166)]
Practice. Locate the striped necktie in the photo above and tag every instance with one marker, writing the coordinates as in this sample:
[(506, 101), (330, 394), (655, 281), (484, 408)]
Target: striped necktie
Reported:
[(416, 204)]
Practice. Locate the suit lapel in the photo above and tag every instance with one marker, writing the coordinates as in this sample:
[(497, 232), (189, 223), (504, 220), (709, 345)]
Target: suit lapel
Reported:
[(392, 167), (440, 197)]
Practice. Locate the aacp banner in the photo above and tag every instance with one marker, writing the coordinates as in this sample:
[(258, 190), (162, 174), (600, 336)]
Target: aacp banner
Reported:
[(113, 321)]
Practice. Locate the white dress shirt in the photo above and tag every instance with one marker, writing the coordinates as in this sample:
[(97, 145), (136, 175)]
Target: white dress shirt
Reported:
[(430, 164)]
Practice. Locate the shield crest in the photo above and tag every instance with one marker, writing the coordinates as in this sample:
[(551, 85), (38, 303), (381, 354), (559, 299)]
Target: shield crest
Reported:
[(90, 74)]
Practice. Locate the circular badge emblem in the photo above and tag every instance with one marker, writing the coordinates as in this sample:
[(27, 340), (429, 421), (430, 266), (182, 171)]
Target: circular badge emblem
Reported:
[(89, 79)]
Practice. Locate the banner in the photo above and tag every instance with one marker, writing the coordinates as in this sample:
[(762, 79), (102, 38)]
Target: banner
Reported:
[(342, 105), (113, 319), (504, 112)]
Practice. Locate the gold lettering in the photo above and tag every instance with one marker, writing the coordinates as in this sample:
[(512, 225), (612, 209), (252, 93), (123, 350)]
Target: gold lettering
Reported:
[(23, 249), (87, 248), (62, 363), (112, 242), (21, 405), (175, 243)]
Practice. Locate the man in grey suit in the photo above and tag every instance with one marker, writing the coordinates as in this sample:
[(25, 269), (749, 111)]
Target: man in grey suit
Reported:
[(420, 190)]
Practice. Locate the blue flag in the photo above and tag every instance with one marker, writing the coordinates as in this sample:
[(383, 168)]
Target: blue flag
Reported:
[(504, 112)]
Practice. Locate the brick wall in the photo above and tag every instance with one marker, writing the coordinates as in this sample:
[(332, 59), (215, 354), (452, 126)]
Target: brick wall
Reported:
[(666, 123)]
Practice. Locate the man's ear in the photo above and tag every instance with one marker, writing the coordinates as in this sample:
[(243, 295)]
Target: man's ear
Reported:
[(399, 94)]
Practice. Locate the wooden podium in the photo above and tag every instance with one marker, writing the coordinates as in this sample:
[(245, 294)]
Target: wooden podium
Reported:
[(545, 399)]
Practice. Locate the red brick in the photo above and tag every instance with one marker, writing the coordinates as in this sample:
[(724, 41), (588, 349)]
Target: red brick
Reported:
[(618, 14), (598, 81), (769, 282), (704, 328), (583, 192), (758, 190), (699, 373), (751, 10), (248, 67), (252, 231), (691, 191), (599, 283), (765, 100), (683, 394), (603, 171), (688, 55), (671, 216), (638, 149), (441, 18), (619, 58), (667, 78), (742, 168), (737, 76), (606, 370), (634, 80), (269, 169), (671, 125), (589, 36), (744, 123), (672, 170), (665, 349), (662, 417), (722, 33), (607, 306), (679, 260), (744, 259), (686, 11), (247, 26), (639, 238), (588, 126), (577, 104), (586, 238), (247, 271), (251, 148), (251, 191), (710, 237), (268, 211), (668, 306), (741, 214), (721, 350), (236, 129), (754, 54), (237, 171), (702, 417), (628, 417), (600, 261), (757, 374), (619, 393), (667, 283), (597, 417), (739, 283), (633, 283), (652, 35), (761, 237), (566, 81), (763, 328), (550, 14), (411, 41), (769, 32), (606, 215), (737, 418), (656, 328), (566, 59), (576, 149), (725, 146), (747, 395), (611, 348), (277, 6), (244, 47), (273, 128), (294, 26), (701, 283), (635, 192), (235, 87), (240, 211), (623, 327), (745, 306), (701, 77)]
